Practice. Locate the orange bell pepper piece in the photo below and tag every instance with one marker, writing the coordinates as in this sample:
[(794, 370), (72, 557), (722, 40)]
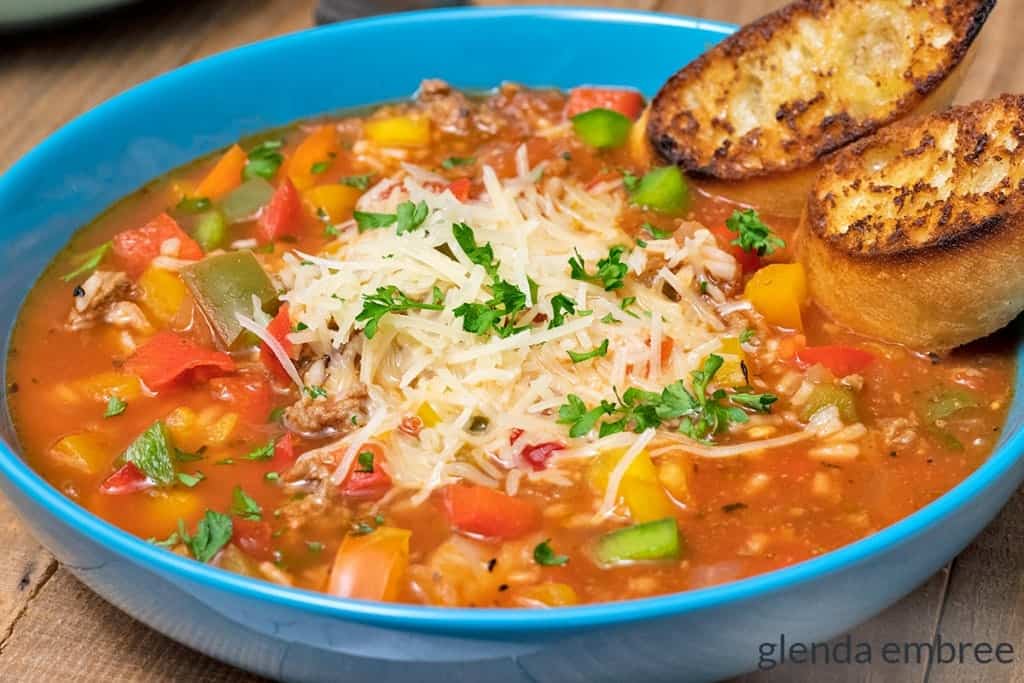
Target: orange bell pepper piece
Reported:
[(225, 176), (371, 566), (320, 147), (778, 292)]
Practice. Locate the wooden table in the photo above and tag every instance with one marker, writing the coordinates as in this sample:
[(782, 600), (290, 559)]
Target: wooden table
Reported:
[(53, 628)]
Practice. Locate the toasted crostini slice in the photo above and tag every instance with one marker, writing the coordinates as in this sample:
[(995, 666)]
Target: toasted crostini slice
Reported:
[(770, 101), (916, 234)]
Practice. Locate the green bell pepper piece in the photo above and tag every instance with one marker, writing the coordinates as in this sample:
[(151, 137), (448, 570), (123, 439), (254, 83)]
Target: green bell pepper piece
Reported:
[(602, 128), (223, 286), (211, 231), (245, 201), (657, 540), (824, 395), (663, 189)]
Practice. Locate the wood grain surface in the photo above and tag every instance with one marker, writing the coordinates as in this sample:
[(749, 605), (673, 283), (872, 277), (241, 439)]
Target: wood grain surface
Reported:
[(52, 628)]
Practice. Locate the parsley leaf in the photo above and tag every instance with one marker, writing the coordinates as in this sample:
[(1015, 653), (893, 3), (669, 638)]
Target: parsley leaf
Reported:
[(244, 506), (212, 534), (191, 480), (367, 220), (88, 261), (264, 160), (481, 255), (264, 452), (600, 351), (561, 305), (611, 271), (754, 235), (410, 216), (546, 557), (574, 412), (454, 162), (316, 391), (656, 232), (193, 204), (115, 406), (319, 167), (760, 403), (360, 182), (746, 335), (151, 452), (629, 180), (390, 300), (365, 460)]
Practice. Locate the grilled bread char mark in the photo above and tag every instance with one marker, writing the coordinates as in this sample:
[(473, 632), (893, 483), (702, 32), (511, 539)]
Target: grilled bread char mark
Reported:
[(772, 100), (916, 235)]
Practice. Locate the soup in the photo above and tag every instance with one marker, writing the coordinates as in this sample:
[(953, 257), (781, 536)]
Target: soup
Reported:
[(475, 351)]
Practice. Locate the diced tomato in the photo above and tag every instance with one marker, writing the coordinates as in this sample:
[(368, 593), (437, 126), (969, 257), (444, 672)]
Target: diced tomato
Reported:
[(367, 485), (627, 102), (461, 188), (284, 453), (537, 454), (138, 247), (841, 360), (748, 260), (487, 512), (514, 435), (283, 216), (790, 345), (411, 425), (168, 358), (667, 344), (248, 393), (254, 537), (126, 479), (279, 328)]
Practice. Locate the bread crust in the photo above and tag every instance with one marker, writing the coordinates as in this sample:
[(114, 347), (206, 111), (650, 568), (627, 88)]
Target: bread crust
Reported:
[(916, 235), (804, 81)]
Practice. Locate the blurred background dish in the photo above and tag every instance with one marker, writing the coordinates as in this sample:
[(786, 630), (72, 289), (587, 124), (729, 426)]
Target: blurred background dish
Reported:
[(329, 11), (18, 13)]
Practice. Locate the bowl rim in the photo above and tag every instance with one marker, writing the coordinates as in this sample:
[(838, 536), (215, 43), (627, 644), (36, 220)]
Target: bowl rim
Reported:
[(444, 620)]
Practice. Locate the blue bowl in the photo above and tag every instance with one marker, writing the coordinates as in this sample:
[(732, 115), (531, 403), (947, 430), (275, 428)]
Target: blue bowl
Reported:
[(300, 635)]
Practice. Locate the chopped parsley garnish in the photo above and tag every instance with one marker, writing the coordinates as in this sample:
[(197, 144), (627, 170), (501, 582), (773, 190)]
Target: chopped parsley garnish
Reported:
[(640, 243), (88, 261), (598, 352), (626, 302), (314, 546), (746, 335), (315, 391), (703, 286), (190, 480), (271, 476), (276, 414), (656, 232), (481, 255), (754, 235), (701, 415), (410, 216), (115, 406), (193, 204), (319, 167), (151, 452), (367, 220), (224, 461), (300, 326), (629, 180), (168, 542), (610, 319), (331, 231), (455, 162), (212, 534), (360, 182), (185, 456), (611, 271), (561, 305), (264, 452), (546, 557), (244, 506), (365, 460), (264, 160), (507, 301), (390, 299)]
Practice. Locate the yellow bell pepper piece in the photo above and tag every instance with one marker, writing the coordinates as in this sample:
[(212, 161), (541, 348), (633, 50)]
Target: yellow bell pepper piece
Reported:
[(399, 131), (551, 594), (183, 424), (102, 386), (778, 292), (159, 511), (84, 452), (428, 415), (640, 489), (225, 176), (731, 372), (162, 293), (337, 201), (320, 147)]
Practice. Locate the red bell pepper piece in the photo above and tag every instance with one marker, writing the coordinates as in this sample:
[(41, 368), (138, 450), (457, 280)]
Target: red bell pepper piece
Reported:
[(749, 261), (367, 485), (249, 393), (283, 215), (491, 513), (461, 189), (513, 435), (138, 247), (254, 537), (284, 454), (168, 357), (840, 360), (279, 328), (623, 100), (126, 479), (537, 454)]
